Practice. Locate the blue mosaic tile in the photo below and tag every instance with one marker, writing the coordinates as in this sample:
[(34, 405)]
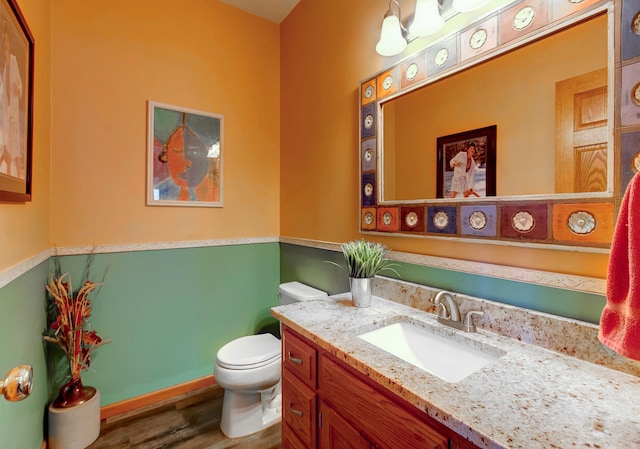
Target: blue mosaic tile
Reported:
[(630, 40), (478, 220), (368, 189), (368, 125), (442, 219)]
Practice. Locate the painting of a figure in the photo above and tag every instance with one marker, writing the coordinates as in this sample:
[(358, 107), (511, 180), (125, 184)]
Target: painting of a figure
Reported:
[(16, 66), (466, 164), (185, 157)]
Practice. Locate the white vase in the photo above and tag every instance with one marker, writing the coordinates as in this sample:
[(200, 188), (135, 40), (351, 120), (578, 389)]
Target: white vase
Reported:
[(361, 291), (74, 427)]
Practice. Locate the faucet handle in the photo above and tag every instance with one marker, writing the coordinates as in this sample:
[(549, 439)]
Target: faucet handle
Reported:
[(468, 320)]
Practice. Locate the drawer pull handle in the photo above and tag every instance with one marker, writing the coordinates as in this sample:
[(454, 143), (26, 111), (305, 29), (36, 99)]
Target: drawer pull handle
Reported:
[(294, 359), (295, 412)]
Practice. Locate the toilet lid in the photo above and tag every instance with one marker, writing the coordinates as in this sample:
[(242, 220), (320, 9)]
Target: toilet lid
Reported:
[(252, 351)]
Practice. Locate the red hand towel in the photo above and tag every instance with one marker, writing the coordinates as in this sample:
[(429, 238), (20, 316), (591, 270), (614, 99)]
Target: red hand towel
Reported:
[(620, 320)]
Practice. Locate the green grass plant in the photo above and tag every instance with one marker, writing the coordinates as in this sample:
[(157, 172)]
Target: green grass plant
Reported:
[(366, 259)]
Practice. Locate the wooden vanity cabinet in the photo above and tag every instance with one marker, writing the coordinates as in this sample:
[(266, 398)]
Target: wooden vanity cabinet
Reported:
[(350, 410)]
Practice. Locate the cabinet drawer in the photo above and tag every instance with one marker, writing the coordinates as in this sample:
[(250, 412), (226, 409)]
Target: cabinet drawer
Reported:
[(299, 358), (299, 409), (384, 421)]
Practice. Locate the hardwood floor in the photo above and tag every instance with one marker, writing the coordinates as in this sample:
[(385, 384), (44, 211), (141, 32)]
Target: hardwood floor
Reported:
[(191, 421)]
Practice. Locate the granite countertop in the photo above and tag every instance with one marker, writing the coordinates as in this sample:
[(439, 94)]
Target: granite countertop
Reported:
[(529, 398)]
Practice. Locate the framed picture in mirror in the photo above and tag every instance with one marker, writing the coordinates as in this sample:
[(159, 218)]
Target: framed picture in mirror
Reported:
[(467, 164)]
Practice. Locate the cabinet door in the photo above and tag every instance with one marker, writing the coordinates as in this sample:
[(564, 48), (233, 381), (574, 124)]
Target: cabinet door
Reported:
[(336, 433), (376, 413)]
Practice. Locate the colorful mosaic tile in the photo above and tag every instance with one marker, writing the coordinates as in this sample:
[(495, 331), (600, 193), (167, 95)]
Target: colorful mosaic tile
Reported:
[(368, 92), (388, 83), (442, 219), (368, 219), (524, 222), (368, 125), (478, 220), (368, 189), (368, 155), (630, 158), (441, 57), (583, 222), (388, 219), (412, 71), (630, 95), (412, 219), (630, 29)]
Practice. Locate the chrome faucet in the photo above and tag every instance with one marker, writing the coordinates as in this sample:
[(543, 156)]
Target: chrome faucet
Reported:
[(449, 309), (449, 313)]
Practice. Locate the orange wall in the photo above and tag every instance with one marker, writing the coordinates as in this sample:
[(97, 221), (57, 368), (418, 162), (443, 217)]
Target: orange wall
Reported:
[(25, 225), (108, 59), (327, 49)]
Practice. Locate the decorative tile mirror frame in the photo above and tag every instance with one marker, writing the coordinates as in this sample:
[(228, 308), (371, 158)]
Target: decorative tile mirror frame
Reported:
[(577, 222)]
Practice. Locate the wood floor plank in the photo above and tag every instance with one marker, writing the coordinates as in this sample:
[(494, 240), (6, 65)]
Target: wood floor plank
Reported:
[(189, 422)]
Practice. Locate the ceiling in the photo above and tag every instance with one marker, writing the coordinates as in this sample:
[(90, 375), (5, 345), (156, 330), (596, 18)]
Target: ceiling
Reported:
[(273, 10)]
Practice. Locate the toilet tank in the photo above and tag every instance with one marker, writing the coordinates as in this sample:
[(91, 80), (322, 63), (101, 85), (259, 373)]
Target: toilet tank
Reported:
[(291, 292)]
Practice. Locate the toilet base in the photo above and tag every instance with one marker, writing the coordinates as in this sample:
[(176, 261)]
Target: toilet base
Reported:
[(244, 413)]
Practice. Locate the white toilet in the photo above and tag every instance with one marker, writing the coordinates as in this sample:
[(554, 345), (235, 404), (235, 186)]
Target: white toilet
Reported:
[(249, 370)]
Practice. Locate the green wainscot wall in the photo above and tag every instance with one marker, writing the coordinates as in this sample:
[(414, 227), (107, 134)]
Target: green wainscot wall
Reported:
[(309, 265)]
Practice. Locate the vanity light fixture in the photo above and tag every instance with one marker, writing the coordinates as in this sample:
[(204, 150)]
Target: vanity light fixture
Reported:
[(392, 41), (427, 19)]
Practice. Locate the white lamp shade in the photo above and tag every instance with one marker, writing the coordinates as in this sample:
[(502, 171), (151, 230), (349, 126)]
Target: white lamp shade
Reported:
[(391, 42), (427, 19), (468, 5)]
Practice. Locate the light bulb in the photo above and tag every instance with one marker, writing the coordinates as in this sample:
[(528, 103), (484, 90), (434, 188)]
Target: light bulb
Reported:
[(391, 42), (427, 19)]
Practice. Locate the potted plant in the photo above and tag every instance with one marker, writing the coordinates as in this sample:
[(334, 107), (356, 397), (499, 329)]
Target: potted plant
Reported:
[(364, 260), (69, 328)]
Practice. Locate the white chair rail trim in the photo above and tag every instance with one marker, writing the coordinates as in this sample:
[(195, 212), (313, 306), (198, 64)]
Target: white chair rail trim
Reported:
[(544, 278)]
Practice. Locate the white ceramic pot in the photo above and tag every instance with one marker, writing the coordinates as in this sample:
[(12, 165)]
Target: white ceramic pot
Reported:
[(75, 427)]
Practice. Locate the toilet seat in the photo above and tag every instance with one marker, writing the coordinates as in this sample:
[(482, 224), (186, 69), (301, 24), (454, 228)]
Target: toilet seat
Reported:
[(253, 351)]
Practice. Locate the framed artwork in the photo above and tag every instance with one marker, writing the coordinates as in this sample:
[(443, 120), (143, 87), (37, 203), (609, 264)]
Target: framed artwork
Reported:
[(184, 163), (467, 164), (16, 104)]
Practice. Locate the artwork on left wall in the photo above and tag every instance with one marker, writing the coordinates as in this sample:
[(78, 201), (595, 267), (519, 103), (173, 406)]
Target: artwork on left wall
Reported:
[(184, 157), (16, 104)]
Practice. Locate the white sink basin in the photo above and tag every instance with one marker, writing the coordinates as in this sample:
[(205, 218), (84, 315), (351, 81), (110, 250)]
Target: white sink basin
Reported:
[(443, 357)]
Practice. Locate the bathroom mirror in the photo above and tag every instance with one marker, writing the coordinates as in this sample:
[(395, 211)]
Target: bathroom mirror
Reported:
[(524, 93), (538, 100)]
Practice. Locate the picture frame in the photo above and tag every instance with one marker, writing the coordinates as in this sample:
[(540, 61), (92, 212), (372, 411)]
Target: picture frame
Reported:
[(16, 110), (475, 180), (184, 156)]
